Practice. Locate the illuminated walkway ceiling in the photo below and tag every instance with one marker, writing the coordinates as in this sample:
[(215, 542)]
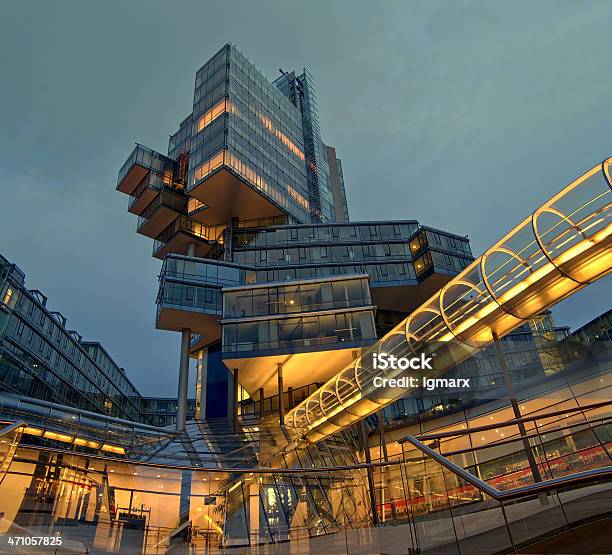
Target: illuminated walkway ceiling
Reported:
[(563, 246), (298, 369)]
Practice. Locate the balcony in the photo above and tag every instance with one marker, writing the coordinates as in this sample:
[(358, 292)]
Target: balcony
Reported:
[(184, 231), (296, 297), (139, 163), (200, 271), (160, 213), (197, 210), (434, 258), (148, 189), (190, 296), (182, 305)]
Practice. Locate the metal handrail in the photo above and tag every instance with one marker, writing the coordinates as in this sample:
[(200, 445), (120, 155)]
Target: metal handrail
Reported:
[(12, 427), (523, 491)]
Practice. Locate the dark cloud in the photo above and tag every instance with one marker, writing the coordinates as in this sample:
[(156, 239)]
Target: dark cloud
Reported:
[(462, 115)]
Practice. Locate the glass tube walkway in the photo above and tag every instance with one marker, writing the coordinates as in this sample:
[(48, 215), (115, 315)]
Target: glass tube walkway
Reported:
[(563, 246)]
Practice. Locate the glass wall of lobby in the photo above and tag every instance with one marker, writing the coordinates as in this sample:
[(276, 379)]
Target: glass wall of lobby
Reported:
[(103, 505), (132, 507), (567, 421)]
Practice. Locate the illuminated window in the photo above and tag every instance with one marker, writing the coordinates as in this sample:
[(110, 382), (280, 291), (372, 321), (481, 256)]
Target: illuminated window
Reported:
[(7, 296), (267, 123), (194, 204), (209, 166), (212, 114)]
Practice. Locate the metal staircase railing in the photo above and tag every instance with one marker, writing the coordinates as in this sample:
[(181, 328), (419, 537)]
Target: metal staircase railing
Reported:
[(531, 489)]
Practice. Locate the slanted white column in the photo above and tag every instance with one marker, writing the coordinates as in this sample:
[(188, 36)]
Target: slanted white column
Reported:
[(254, 507), (202, 378), (183, 383)]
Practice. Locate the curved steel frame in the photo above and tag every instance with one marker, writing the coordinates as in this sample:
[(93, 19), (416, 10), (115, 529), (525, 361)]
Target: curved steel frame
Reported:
[(560, 248)]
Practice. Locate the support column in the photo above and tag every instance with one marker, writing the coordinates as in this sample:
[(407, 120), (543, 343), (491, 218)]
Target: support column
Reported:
[(261, 402), (370, 471), (202, 378), (254, 513), (179, 538), (386, 469), (230, 395), (235, 403), (281, 401), (290, 397), (191, 249), (185, 498), (533, 465), (183, 383)]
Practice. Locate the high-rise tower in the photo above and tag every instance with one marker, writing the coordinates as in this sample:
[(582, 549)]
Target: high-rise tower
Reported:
[(270, 285)]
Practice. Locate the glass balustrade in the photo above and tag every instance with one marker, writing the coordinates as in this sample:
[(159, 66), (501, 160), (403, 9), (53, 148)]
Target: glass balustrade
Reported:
[(317, 499)]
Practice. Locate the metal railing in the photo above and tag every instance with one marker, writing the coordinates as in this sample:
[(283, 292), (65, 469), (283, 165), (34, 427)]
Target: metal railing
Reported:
[(12, 427), (147, 158), (167, 199), (531, 489)]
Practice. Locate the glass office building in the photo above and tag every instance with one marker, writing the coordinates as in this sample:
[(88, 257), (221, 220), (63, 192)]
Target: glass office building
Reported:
[(249, 197), (280, 301), (41, 357), (243, 125)]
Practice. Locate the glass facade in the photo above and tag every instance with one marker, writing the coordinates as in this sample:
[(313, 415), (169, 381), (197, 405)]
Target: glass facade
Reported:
[(281, 253), (303, 252), (300, 90), (336, 178), (597, 331), (154, 182), (245, 123), (266, 137), (528, 360), (433, 250), (201, 233), (142, 160), (41, 358), (321, 496), (161, 411), (296, 316), (298, 333), (354, 232), (577, 437), (189, 297), (284, 299), (196, 270)]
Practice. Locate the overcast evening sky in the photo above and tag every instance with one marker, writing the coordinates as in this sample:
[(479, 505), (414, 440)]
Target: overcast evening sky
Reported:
[(462, 115)]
